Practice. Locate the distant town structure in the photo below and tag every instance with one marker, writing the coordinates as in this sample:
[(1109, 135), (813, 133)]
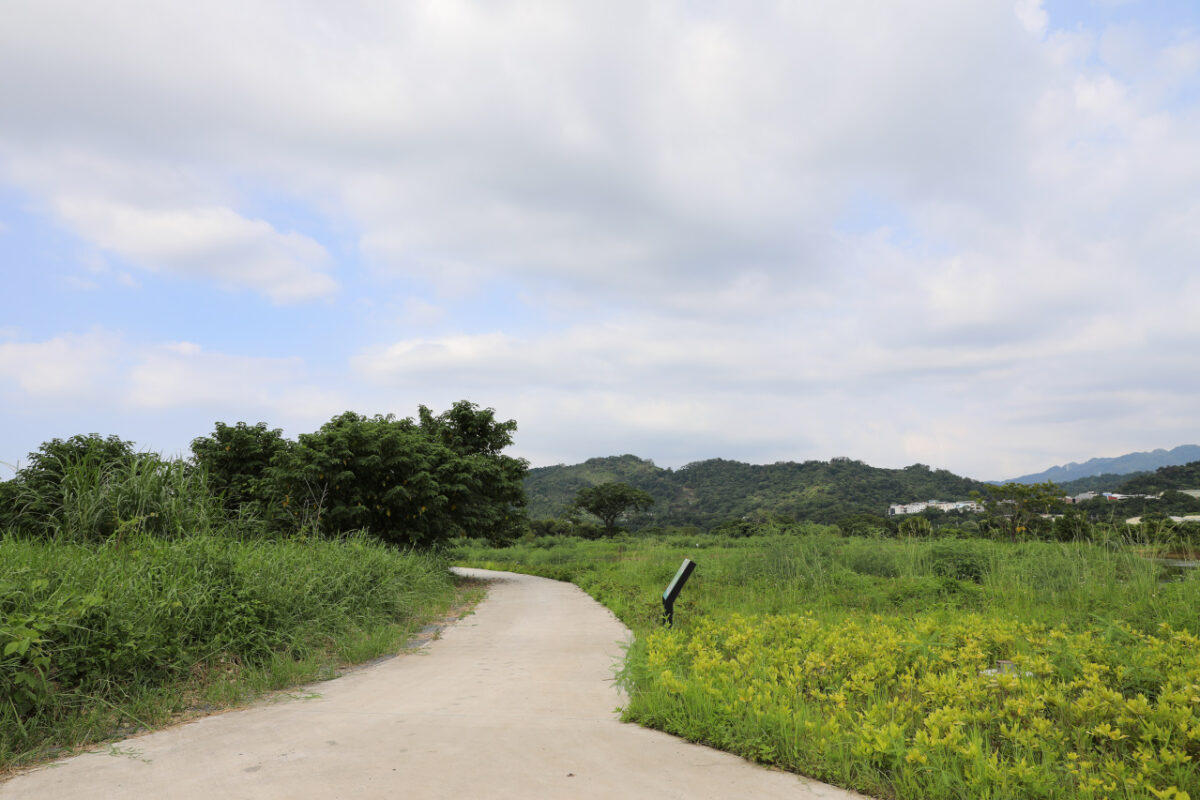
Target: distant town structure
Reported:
[(961, 506)]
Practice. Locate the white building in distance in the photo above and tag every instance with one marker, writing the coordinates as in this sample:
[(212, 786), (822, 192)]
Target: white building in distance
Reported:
[(960, 506)]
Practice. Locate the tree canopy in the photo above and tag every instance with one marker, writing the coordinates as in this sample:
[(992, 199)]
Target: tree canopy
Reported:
[(611, 502)]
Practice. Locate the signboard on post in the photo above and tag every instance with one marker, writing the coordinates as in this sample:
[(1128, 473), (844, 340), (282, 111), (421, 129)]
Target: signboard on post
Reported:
[(674, 588)]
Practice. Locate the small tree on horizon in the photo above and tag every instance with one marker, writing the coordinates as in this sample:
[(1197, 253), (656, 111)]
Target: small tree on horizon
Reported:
[(611, 502)]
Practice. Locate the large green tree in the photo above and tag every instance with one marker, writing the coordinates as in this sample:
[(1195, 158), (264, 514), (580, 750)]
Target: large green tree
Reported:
[(406, 482), (611, 502), (236, 459)]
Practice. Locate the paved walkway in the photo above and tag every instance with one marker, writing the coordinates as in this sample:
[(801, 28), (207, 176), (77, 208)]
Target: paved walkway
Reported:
[(514, 701)]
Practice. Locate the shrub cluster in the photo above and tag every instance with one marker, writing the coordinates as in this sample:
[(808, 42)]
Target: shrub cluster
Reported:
[(410, 482)]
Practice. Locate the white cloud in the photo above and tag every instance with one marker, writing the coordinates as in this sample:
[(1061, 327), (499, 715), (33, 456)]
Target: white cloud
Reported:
[(209, 242), (183, 375), (70, 365), (1033, 16)]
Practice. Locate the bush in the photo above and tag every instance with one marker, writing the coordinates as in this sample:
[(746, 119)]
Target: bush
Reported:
[(960, 560)]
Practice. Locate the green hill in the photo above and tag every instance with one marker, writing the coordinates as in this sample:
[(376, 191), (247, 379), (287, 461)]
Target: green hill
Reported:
[(1183, 476), (707, 493)]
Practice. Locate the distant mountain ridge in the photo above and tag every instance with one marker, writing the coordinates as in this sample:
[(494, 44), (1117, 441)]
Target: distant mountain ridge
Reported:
[(711, 492), (1147, 461)]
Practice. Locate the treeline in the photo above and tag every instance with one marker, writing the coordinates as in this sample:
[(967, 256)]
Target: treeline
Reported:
[(412, 482), (736, 499), (1184, 476), (709, 493)]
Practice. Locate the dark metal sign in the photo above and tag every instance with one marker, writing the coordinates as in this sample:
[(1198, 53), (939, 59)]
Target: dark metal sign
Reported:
[(674, 588)]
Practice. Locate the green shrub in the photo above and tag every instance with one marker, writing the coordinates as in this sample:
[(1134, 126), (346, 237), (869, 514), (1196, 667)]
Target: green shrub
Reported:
[(55, 470), (961, 560), (872, 560)]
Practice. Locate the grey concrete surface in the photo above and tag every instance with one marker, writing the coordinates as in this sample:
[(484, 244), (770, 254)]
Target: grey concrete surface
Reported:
[(514, 701)]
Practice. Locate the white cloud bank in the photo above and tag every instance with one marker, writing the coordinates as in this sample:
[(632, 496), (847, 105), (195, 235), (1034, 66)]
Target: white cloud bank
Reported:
[(935, 231)]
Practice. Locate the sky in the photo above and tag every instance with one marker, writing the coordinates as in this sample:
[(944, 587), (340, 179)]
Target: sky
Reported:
[(963, 234)]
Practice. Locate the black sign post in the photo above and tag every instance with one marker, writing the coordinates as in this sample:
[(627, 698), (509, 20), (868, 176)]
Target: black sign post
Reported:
[(673, 590)]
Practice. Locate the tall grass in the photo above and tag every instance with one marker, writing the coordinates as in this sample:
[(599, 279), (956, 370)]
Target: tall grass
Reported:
[(821, 572), (91, 499), (89, 634)]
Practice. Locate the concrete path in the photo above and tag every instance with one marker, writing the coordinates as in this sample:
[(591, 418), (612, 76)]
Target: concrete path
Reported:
[(514, 701)]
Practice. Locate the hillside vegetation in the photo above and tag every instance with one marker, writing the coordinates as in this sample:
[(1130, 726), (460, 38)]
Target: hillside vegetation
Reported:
[(1183, 476), (707, 493)]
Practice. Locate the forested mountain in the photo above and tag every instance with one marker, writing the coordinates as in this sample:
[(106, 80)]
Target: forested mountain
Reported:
[(708, 493), (1183, 476), (1120, 465)]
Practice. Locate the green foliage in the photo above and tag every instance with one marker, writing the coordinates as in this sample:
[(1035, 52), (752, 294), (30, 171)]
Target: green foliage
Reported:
[(916, 526), (405, 483), (236, 459), (41, 488), (1072, 526), (1184, 476), (84, 629), (1015, 510), (610, 502), (710, 493), (961, 560), (92, 498), (867, 525)]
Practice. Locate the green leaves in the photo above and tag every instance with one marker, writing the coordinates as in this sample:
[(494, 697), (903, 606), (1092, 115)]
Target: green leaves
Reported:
[(611, 501), (406, 483)]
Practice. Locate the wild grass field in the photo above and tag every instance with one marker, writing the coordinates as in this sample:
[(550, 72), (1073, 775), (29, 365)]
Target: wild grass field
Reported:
[(908, 668)]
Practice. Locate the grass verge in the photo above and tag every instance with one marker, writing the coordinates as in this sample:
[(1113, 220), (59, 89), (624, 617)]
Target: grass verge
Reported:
[(98, 641)]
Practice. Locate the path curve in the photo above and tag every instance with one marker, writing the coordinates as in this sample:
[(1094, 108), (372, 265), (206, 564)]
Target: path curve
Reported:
[(514, 701)]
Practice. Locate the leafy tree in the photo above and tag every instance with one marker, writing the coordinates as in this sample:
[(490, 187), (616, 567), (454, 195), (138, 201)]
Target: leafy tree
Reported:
[(406, 483), (468, 430), (867, 525), (611, 502), (236, 459), (1014, 510)]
